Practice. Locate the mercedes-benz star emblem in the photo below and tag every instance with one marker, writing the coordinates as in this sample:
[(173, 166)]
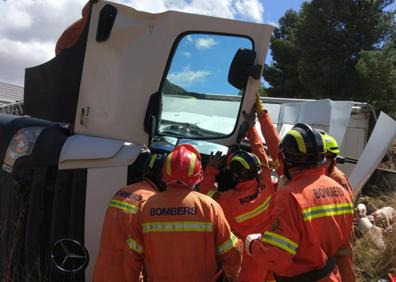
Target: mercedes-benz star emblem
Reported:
[(69, 255)]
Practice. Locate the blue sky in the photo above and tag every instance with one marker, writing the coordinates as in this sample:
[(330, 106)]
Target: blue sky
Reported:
[(201, 61), (274, 10)]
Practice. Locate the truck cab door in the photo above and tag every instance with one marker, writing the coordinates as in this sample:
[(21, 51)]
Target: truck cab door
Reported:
[(172, 66)]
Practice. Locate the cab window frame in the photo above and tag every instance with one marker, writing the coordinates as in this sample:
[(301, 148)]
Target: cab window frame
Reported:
[(166, 72)]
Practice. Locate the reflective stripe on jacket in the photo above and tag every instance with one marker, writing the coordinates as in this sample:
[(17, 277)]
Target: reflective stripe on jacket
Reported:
[(344, 262), (245, 206), (183, 234), (118, 251)]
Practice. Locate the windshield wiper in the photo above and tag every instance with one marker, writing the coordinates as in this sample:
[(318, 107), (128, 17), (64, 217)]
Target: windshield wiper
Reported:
[(183, 129)]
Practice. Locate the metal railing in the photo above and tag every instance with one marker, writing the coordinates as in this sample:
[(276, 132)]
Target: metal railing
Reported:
[(12, 109)]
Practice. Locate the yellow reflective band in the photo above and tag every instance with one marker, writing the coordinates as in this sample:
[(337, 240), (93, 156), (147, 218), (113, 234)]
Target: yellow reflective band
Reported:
[(300, 140), (327, 210), (152, 160), (255, 212), (211, 193), (227, 245), (177, 226), (126, 207), (168, 164), (242, 161), (192, 164), (134, 246), (280, 241)]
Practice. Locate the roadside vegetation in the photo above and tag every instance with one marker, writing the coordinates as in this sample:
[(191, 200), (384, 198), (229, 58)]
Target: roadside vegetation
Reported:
[(338, 49)]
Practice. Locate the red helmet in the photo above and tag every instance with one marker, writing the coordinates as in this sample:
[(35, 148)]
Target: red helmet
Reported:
[(183, 165)]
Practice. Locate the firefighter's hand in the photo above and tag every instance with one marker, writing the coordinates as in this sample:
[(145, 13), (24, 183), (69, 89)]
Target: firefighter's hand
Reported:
[(217, 160), (249, 240), (250, 118), (259, 104)]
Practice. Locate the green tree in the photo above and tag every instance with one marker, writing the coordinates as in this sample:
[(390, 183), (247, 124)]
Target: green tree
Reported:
[(282, 74), (261, 90), (315, 51), (377, 74)]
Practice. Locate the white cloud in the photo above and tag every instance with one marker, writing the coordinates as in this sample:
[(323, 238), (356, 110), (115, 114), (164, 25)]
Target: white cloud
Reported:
[(29, 28), (187, 76), (274, 24), (187, 54), (28, 33), (205, 43), (250, 10), (21, 55)]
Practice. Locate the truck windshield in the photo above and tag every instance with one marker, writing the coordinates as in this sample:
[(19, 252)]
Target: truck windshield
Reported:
[(197, 99)]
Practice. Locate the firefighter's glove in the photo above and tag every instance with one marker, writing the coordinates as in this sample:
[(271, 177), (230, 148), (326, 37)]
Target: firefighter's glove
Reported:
[(259, 104), (249, 240), (216, 160)]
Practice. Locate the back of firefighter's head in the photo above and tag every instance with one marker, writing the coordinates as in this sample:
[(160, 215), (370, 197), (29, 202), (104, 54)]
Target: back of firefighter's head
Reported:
[(153, 169), (302, 147), (244, 165), (183, 166), (331, 145)]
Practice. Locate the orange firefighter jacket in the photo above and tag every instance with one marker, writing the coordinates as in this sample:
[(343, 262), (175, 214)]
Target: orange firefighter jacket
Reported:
[(182, 234), (71, 34), (311, 218), (341, 179), (272, 139), (344, 258), (113, 262), (245, 206)]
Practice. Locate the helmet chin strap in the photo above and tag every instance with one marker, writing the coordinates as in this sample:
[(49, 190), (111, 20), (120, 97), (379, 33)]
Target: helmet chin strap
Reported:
[(235, 178), (331, 166)]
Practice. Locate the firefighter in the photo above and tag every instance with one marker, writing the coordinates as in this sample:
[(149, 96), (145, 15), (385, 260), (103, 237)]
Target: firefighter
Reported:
[(182, 233), (245, 206), (331, 155), (270, 134), (343, 257), (311, 218), (113, 262)]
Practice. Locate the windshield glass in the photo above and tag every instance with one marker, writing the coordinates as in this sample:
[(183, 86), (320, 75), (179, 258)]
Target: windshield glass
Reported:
[(197, 99)]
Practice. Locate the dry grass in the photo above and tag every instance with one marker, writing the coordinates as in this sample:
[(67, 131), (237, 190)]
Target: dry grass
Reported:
[(372, 264)]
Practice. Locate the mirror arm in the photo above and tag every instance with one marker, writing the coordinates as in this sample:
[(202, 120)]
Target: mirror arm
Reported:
[(254, 71)]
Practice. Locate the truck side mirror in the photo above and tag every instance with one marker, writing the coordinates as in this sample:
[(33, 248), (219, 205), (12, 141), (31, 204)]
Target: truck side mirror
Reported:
[(242, 67)]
